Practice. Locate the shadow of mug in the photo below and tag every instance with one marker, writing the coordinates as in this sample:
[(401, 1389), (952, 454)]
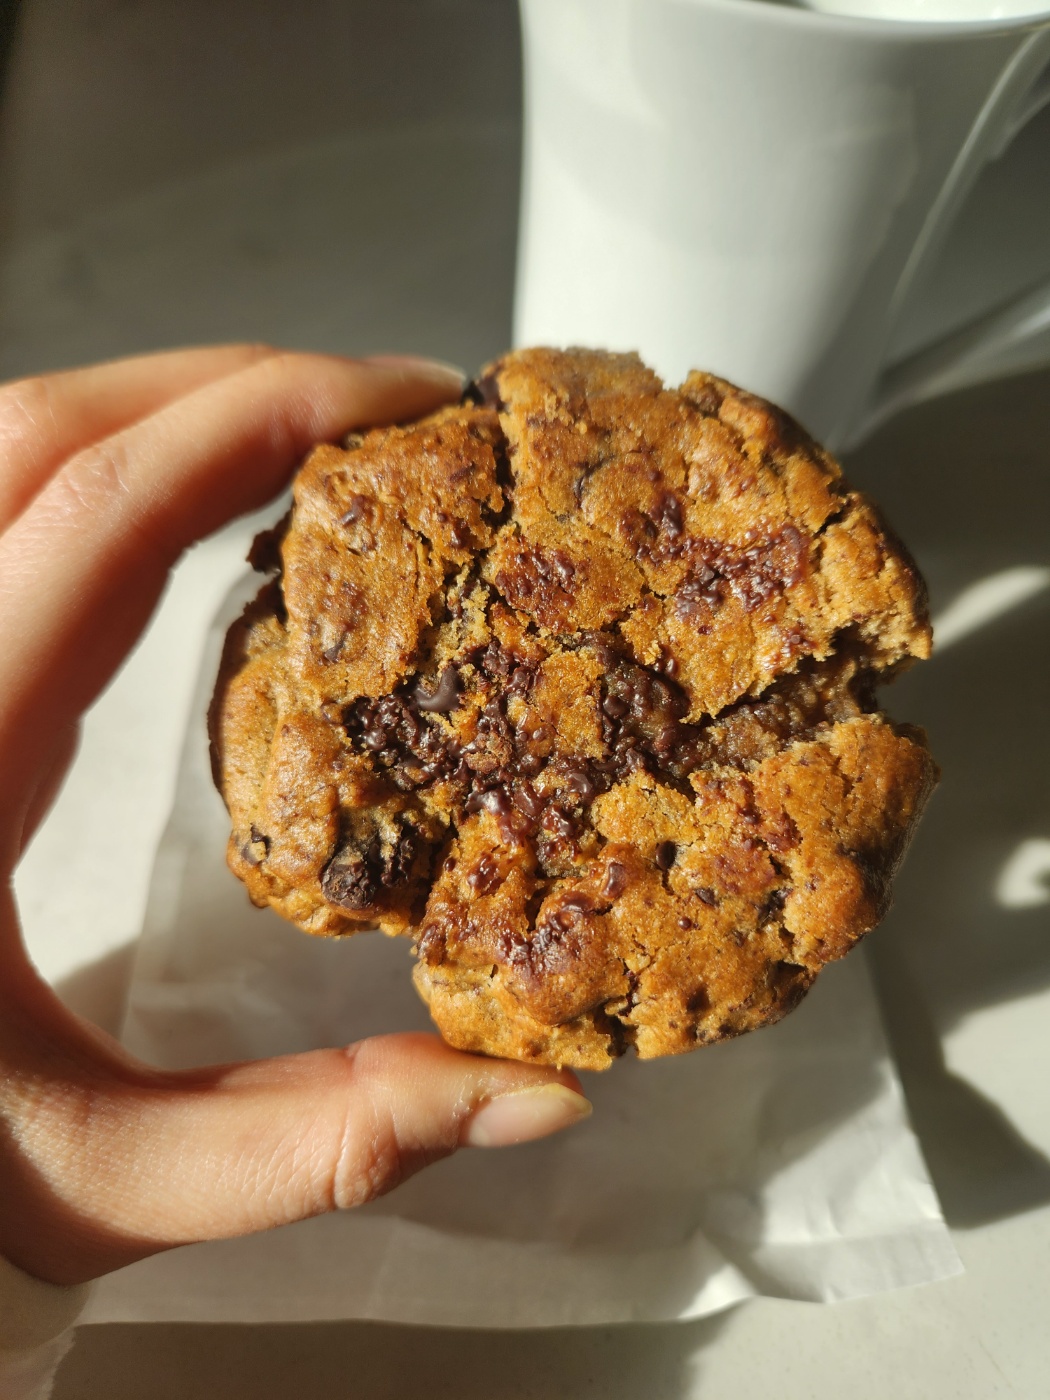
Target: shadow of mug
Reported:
[(966, 479)]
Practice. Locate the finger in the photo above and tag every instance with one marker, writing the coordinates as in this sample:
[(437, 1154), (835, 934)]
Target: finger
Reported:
[(229, 1152), (83, 566), (46, 418), (49, 782)]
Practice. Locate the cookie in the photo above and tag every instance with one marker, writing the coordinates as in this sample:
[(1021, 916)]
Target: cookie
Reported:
[(575, 683)]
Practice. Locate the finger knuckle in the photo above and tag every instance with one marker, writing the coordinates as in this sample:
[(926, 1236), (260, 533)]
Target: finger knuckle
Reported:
[(379, 1145), (92, 483), (274, 371), (369, 1162), (260, 349), (26, 414)]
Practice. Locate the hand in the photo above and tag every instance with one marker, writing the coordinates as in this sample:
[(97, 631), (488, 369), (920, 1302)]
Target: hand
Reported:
[(106, 475)]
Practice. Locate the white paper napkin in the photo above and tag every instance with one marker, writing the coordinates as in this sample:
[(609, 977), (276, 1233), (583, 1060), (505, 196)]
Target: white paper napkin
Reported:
[(778, 1164)]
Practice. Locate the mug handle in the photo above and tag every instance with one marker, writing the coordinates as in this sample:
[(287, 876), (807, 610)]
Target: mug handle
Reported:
[(1009, 338)]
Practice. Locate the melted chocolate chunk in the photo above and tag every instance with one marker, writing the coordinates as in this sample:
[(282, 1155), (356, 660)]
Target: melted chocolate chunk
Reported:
[(642, 724), (445, 697), (554, 946), (485, 877), (540, 580), (643, 727), (753, 574), (495, 800), (668, 517), (412, 750)]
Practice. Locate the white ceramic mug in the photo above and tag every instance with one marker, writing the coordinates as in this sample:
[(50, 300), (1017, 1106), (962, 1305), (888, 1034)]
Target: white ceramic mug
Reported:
[(757, 190)]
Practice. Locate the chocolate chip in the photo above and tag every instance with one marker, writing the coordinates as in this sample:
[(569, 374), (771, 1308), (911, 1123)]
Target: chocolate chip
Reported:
[(773, 905), (357, 508), (349, 881), (642, 713), (431, 944), (458, 530), (698, 1000), (483, 392), (331, 653), (700, 592), (667, 665), (665, 739), (615, 879), (496, 661), (257, 848), (412, 749), (520, 680), (397, 863), (790, 983), (562, 567), (666, 855)]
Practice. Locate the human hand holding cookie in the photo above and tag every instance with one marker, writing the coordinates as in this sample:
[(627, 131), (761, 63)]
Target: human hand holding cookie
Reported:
[(106, 475)]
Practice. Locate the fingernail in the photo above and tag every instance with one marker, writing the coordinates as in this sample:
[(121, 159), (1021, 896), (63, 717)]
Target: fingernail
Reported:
[(525, 1115), (420, 364)]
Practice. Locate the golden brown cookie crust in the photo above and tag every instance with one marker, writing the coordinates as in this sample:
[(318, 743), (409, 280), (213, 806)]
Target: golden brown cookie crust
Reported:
[(575, 682)]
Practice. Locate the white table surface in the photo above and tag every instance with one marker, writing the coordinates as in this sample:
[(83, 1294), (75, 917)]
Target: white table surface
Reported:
[(288, 200)]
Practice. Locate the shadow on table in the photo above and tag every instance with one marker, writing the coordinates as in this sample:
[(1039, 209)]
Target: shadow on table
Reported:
[(966, 480), (337, 1361)]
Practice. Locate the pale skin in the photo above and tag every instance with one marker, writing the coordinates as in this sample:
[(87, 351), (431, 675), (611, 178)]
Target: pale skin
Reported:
[(106, 475)]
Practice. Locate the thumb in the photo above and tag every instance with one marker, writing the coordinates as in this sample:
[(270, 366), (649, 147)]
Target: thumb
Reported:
[(158, 1160)]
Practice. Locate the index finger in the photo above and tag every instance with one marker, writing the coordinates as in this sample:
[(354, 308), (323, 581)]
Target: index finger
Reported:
[(81, 569), (47, 417)]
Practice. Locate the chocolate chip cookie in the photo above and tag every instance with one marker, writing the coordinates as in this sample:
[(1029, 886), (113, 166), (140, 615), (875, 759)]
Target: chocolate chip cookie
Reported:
[(575, 683)]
